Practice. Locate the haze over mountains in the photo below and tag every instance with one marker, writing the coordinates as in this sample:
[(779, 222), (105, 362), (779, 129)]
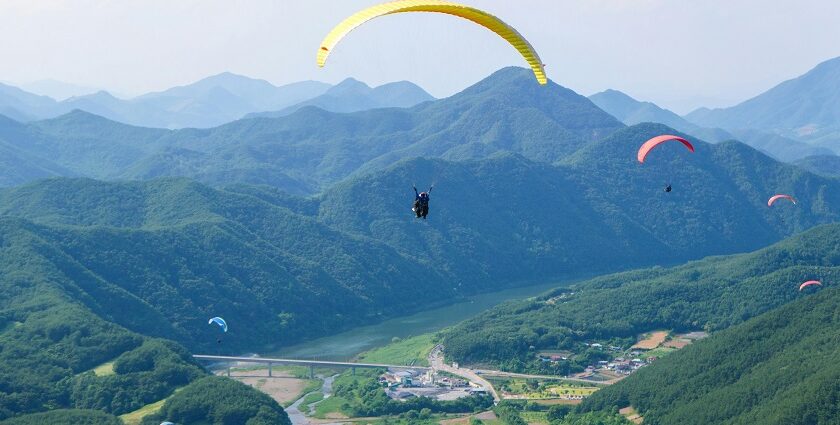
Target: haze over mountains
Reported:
[(352, 95), (306, 151), (57, 90), (631, 111), (209, 102), (806, 108)]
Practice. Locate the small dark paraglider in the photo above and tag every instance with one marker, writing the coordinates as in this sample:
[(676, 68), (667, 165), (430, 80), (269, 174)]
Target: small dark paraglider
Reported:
[(421, 202), (668, 188)]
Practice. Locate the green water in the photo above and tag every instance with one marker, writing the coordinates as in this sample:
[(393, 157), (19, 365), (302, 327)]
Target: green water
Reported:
[(346, 345)]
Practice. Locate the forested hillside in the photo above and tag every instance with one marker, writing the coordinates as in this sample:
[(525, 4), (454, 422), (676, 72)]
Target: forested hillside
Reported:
[(826, 165), (710, 294), (532, 184), (175, 252), (782, 368), (60, 324)]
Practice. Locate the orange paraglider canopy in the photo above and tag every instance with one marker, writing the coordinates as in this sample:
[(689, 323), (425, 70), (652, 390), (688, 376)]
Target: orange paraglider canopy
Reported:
[(809, 283), (658, 140), (775, 198)]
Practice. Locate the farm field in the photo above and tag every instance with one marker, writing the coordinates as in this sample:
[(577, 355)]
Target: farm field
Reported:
[(651, 340)]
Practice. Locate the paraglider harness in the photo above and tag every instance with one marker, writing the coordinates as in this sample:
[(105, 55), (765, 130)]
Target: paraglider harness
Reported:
[(421, 203)]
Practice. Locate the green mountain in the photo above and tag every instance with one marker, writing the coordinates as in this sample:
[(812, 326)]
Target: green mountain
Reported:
[(826, 165), (21, 163), (311, 149), (352, 95), (176, 253), (711, 294), (59, 320), (546, 186), (782, 368), (631, 111), (180, 252), (806, 108)]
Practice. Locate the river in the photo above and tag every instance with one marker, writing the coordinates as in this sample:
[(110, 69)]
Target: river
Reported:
[(346, 345)]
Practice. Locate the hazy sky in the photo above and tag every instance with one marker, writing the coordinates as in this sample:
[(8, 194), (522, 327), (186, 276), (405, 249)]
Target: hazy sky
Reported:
[(678, 53)]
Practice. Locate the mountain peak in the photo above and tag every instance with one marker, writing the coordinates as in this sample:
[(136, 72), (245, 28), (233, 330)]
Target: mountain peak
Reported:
[(832, 64), (516, 87), (349, 86), (228, 78), (101, 96)]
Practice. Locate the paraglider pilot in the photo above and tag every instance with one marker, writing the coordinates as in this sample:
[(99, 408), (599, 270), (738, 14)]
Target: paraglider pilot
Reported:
[(421, 202), (668, 187)]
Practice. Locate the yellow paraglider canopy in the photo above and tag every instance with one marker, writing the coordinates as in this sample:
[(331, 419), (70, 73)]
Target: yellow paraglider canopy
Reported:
[(478, 16)]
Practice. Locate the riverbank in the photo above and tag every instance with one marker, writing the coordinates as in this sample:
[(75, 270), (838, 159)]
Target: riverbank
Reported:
[(346, 346)]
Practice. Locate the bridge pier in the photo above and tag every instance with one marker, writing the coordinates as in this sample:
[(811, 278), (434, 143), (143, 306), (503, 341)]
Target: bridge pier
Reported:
[(353, 371), (269, 369), (311, 372), (228, 371)]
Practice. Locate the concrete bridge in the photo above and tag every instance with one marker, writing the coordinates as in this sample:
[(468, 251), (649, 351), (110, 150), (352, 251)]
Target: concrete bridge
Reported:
[(312, 364)]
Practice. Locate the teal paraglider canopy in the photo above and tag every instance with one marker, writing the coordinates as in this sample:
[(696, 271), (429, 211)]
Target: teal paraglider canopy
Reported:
[(219, 321)]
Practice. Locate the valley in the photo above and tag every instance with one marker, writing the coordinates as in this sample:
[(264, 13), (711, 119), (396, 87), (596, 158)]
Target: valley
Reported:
[(231, 250)]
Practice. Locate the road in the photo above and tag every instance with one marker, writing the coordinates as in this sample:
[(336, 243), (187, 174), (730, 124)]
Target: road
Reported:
[(552, 377), (437, 363)]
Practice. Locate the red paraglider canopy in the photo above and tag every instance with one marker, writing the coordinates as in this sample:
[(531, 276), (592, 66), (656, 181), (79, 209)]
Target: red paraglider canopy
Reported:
[(658, 140), (775, 198), (809, 283)]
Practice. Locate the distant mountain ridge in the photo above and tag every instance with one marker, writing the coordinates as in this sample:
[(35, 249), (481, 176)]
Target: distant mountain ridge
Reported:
[(631, 111), (311, 148), (209, 102), (57, 90), (352, 95), (806, 108)]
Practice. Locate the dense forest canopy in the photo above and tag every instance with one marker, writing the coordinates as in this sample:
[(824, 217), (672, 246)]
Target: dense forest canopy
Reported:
[(782, 367), (710, 294)]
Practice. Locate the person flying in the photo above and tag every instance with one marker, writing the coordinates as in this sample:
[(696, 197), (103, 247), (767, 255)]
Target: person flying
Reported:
[(421, 202)]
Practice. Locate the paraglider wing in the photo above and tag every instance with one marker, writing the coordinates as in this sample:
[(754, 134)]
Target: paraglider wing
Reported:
[(775, 198), (475, 15), (810, 283), (219, 321), (658, 140)]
